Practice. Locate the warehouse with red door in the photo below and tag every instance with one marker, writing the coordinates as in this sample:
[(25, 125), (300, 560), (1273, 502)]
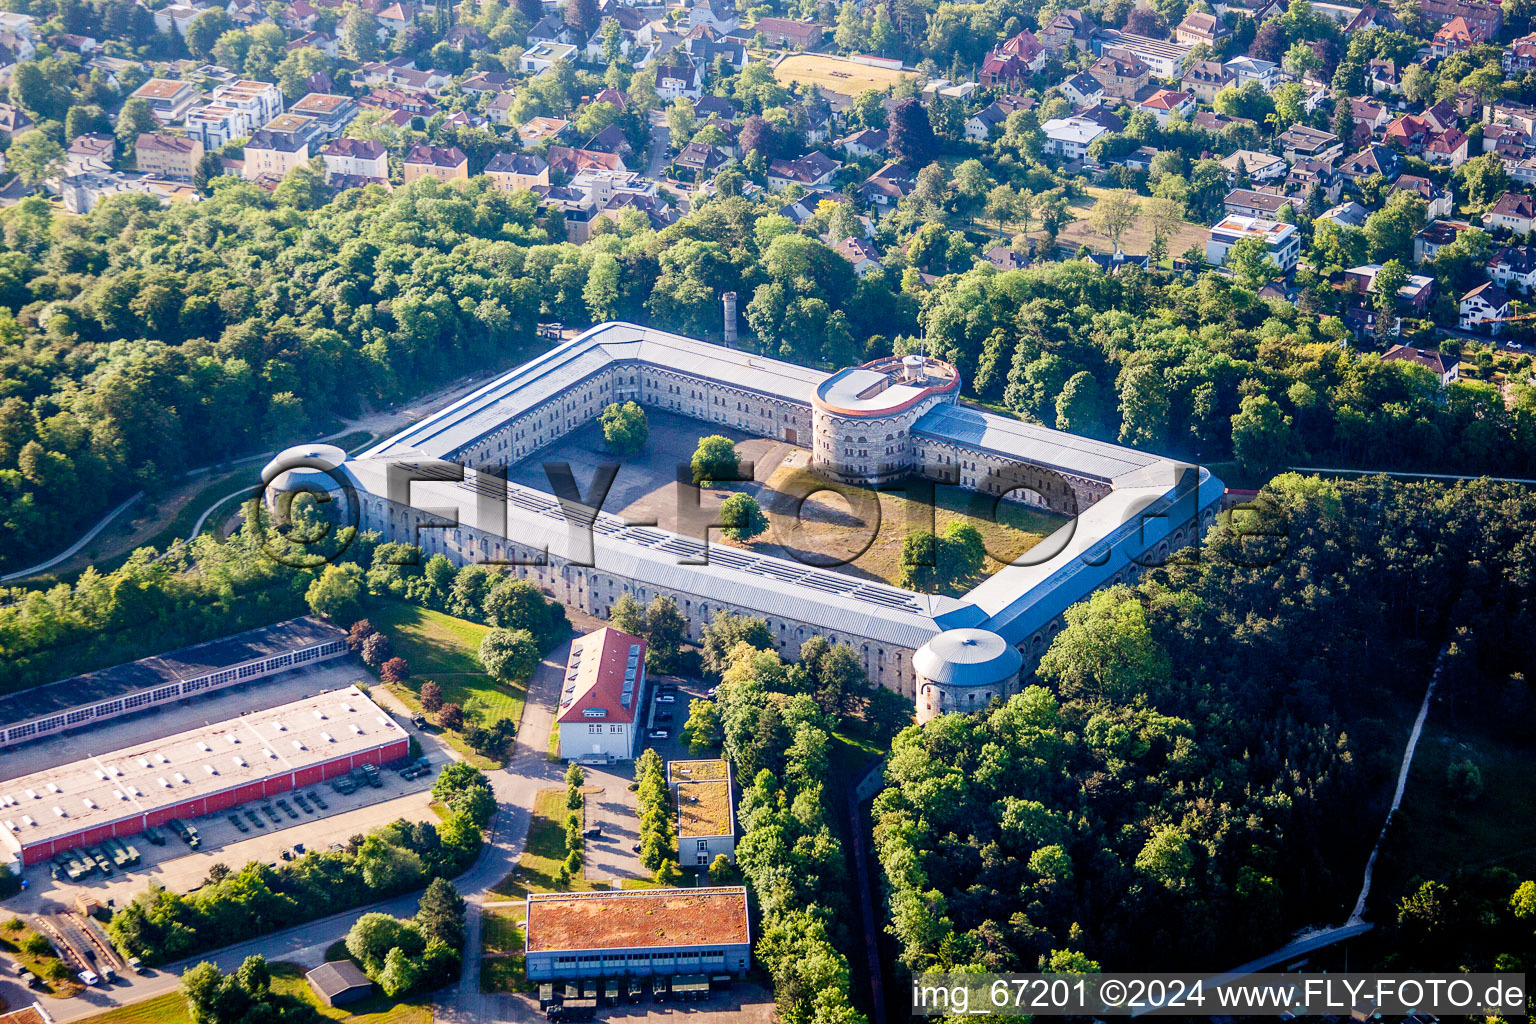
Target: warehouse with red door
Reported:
[(190, 774)]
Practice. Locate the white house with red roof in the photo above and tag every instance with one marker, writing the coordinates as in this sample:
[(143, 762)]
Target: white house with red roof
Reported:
[(1013, 62), (1164, 103), (602, 697)]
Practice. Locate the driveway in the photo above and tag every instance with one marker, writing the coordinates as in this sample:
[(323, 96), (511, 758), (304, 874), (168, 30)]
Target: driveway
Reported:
[(614, 811)]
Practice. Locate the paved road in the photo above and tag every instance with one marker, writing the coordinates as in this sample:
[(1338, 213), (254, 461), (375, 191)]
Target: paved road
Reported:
[(69, 552), (515, 786)]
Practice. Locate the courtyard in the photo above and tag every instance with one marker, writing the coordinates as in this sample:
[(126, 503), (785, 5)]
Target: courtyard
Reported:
[(812, 521)]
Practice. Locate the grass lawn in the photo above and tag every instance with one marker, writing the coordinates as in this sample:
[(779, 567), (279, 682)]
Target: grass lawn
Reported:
[(1469, 835), (831, 75), (501, 929), (287, 979), (1136, 240), (442, 649), (539, 866), (504, 974), (553, 754), (11, 941), (830, 530)]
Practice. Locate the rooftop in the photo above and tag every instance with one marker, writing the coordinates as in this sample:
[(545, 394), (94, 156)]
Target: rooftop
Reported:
[(633, 919), (173, 666), (605, 670), (319, 103), (886, 386), (157, 773), (161, 89), (334, 977), (708, 770), (703, 809), (1271, 230)]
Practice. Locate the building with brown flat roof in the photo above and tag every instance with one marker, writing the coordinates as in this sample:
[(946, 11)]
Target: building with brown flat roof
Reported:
[(638, 932)]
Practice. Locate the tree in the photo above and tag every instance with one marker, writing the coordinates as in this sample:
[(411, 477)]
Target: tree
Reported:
[(376, 650), (971, 182), (714, 460), (665, 632), (399, 974), (517, 604), (450, 716), (582, 15), (431, 697), (133, 120), (627, 615), (509, 655), (1107, 648), (372, 936), (625, 428), (34, 157), (702, 729), (721, 870), (1113, 213), (360, 35), (440, 915), (742, 517), (205, 30), (1261, 436), (337, 594), (395, 670), (725, 631), (1464, 780), (911, 135), (681, 123), (1080, 406), (1250, 262)]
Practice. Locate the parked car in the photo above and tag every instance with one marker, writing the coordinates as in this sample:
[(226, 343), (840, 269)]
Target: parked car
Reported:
[(666, 698), (595, 832), (660, 734)]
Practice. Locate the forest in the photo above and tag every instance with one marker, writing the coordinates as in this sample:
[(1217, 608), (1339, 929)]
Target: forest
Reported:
[(1199, 754)]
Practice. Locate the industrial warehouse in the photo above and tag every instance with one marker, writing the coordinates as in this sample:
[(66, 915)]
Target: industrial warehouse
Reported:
[(165, 678), (193, 773), (644, 932)]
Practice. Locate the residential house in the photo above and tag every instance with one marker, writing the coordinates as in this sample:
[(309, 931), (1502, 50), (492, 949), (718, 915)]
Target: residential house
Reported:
[(700, 159), (711, 53), (540, 57), (1439, 199), (1437, 234), (91, 151), (1206, 78), (719, 15), (1256, 165), (868, 142), (351, 162), (979, 126), (1483, 307), (799, 35), (322, 41), (13, 120), (1453, 37), (1414, 293), (1516, 115), (813, 169), (499, 109), (1369, 18), (168, 156), (395, 18), (610, 140), (1069, 30), (1197, 28), (551, 29), (1520, 56), (860, 253), (445, 163), (257, 102), (1410, 132), (1345, 215), (1448, 147), (1164, 59), (495, 82), (1305, 174), (1004, 258), (1299, 142), (1384, 77), (1121, 76), (1447, 368), (1251, 69), (1486, 18), (1373, 159), (680, 81), (1082, 89), (512, 171), (18, 35), (1070, 137), (330, 113), (887, 186), (538, 130), (176, 18), (1442, 117), (274, 153), (1282, 240), (168, 100), (1513, 211), (1513, 267), (566, 160), (706, 107), (1247, 202), (1214, 122), (1010, 65), (1103, 117), (1166, 104), (299, 17), (467, 38)]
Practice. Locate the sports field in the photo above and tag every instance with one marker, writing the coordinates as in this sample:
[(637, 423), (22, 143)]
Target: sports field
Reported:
[(834, 75)]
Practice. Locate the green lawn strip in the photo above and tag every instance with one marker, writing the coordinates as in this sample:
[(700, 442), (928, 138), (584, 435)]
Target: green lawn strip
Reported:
[(554, 743), (170, 1008), (501, 929), (504, 974), (442, 649)]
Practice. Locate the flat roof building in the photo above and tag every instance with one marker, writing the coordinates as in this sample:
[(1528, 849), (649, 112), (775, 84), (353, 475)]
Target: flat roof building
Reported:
[(1281, 239), (706, 810), (637, 932), (193, 773), (163, 678)]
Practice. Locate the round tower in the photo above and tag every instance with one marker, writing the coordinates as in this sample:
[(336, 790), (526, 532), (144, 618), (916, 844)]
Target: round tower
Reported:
[(962, 670), (862, 415)]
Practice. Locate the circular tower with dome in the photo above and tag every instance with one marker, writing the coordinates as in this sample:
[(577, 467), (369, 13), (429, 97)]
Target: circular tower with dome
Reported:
[(962, 670), (861, 416)]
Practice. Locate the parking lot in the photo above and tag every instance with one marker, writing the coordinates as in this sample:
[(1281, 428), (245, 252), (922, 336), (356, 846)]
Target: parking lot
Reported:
[(742, 1003), (613, 810)]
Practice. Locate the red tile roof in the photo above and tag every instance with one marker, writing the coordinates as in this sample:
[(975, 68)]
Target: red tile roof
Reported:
[(595, 676)]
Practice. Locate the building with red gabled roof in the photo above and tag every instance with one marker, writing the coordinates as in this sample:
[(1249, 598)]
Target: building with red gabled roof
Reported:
[(1454, 36), (1014, 61), (602, 697)]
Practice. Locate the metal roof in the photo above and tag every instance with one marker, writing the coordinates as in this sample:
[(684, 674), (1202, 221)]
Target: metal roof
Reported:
[(967, 657), (1030, 442)]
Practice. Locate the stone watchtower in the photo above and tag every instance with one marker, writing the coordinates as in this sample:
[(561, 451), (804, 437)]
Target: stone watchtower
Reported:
[(861, 416)]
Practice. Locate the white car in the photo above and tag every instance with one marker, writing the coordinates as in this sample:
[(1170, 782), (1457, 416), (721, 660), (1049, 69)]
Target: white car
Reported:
[(665, 698)]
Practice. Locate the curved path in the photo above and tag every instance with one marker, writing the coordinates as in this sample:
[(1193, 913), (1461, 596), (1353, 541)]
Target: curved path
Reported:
[(76, 546)]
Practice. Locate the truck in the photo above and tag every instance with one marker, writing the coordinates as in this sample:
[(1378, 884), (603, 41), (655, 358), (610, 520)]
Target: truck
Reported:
[(187, 832)]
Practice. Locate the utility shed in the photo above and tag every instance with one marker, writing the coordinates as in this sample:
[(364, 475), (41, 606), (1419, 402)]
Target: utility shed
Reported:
[(339, 982)]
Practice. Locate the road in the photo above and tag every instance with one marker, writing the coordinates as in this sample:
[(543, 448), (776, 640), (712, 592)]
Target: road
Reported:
[(526, 773), (69, 552)]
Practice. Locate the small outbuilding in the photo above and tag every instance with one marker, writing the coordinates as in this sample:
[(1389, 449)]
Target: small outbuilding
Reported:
[(339, 983)]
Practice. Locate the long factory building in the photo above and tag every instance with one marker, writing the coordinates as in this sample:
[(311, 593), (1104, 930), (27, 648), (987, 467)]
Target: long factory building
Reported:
[(194, 773), (136, 686)]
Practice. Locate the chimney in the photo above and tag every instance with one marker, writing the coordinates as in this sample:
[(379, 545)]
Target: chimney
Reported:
[(729, 299)]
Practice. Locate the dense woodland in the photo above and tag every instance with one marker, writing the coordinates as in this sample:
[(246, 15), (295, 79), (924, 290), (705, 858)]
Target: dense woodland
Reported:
[(1201, 764)]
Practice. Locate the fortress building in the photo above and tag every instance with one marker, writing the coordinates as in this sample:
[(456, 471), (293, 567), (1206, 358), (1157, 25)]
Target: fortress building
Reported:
[(441, 483)]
